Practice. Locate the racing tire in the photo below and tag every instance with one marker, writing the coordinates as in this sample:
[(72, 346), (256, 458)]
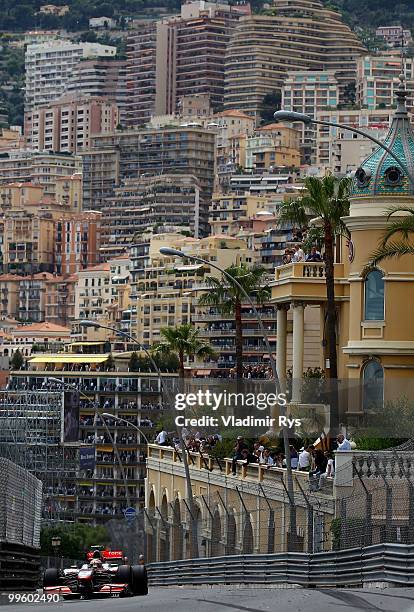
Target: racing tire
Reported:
[(123, 574), (51, 577), (139, 580)]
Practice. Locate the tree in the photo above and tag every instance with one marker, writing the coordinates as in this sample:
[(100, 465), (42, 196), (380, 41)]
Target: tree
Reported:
[(390, 248), (74, 540), (17, 360), (134, 363), (228, 299), (326, 199), (270, 103), (184, 341)]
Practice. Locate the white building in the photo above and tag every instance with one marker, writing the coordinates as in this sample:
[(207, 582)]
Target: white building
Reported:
[(50, 64)]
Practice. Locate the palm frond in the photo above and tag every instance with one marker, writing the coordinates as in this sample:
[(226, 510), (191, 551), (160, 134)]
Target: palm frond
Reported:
[(403, 226), (391, 250)]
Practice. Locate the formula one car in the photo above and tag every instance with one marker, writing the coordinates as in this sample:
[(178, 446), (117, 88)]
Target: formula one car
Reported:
[(106, 572)]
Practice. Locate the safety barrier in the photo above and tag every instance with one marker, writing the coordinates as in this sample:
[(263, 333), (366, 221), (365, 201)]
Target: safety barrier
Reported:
[(380, 563), (19, 567)]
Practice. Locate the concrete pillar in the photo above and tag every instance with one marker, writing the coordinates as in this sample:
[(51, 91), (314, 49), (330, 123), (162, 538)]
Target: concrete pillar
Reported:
[(281, 330), (298, 349)]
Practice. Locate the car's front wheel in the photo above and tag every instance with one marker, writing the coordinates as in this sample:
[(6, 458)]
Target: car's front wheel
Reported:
[(139, 580), (51, 577)]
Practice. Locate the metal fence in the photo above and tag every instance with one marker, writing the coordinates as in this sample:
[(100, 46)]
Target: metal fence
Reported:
[(20, 505), (383, 563)]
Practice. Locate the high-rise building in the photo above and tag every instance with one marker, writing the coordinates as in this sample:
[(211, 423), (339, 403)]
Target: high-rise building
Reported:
[(49, 66), (77, 242), (272, 146), (301, 35), (132, 154), (378, 80), (67, 124), (103, 78), (147, 203), (179, 56), (309, 91), (395, 36)]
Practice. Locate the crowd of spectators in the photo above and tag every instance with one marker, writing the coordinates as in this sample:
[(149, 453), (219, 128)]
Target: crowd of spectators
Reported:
[(297, 255), (263, 372)]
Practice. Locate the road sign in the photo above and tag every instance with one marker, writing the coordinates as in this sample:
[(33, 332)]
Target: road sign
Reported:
[(130, 514)]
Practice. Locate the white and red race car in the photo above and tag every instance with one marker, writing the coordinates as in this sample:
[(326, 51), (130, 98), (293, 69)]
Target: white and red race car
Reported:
[(105, 573)]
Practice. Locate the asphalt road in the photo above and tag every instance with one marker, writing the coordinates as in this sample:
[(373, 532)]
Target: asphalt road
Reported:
[(232, 599)]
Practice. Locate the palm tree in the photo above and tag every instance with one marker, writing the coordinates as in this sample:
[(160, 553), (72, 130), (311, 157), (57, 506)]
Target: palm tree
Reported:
[(228, 299), (184, 341), (326, 199), (389, 248)]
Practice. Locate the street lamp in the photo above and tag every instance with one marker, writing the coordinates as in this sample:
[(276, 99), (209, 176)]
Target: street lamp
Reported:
[(170, 252), (56, 541), (290, 116), (117, 418), (97, 410), (96, 325)]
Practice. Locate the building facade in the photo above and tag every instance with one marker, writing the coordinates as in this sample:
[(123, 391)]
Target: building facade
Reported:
[(377, 80)]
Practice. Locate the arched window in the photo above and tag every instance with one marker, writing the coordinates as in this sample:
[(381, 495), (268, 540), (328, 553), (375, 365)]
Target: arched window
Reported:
[(373, 385), (374, 296)]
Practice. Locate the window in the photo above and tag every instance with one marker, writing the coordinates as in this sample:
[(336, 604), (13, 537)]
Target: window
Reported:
[(374, 296), (373, 385)]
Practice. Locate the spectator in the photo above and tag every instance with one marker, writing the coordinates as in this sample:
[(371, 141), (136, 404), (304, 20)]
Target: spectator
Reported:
[(298, 255), (305, 459), (320, 467), (238, 449), (162, 438), (287, 257), (247, 456), (268, 459), (314, 255), (294, 457), (329, 471), (343, 443)]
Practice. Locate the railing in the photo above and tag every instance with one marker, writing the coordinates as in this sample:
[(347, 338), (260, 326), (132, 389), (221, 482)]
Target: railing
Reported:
[(381, 563), (303, 270)]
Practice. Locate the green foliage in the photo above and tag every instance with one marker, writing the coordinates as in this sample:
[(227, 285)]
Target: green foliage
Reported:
[(17, 360), (11, 81), (401, 227), (183, 341), (75, 540), (165, 362), (314, 237), (271, 103), (377, 443), (133, 364)]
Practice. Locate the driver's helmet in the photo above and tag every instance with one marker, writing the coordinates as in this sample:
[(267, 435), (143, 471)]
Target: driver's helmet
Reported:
[(97, 563)]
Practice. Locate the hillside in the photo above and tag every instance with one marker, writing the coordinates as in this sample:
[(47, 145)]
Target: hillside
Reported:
[(20, 15)]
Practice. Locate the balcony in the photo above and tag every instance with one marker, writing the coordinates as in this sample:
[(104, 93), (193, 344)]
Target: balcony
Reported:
[(306, 281)]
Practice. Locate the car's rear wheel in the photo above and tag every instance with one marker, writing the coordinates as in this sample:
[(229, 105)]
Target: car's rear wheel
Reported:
[(51, 577), (139, 580)]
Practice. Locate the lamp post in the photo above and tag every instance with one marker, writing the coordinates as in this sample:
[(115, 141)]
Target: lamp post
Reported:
[(169, 252), (293, 117), (97, 410), (193, 516), (56, 541)]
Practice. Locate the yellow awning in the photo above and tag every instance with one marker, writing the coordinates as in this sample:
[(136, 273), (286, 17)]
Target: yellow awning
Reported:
[(69, 359), (88, 343)]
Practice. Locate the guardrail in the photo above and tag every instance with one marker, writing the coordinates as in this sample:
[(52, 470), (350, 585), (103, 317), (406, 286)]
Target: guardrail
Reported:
[(381, 563), (19, 568)]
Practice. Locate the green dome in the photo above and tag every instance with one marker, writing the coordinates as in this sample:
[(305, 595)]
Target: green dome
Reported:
[(380, 174)]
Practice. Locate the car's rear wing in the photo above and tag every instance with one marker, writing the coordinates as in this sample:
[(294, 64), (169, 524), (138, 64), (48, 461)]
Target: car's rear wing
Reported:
[(107, 555)]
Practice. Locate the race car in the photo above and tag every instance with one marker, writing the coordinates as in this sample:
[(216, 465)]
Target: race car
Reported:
[(106, 572)]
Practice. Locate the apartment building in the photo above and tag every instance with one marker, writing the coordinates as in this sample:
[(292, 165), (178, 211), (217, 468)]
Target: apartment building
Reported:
[(327, 137), (378, 80), (149, 203), (131, 154), (93, 295), (232, 127), (350, 150), (101, 78), (28, 242), (11, 138), (309, 92), (49, 65), (301, 35), (272, 146), (32, 297), (395, 36), (60, 299), (178, 56), (9, 295), (44, 169), (77, 241), (67, 124), (162, 288)]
